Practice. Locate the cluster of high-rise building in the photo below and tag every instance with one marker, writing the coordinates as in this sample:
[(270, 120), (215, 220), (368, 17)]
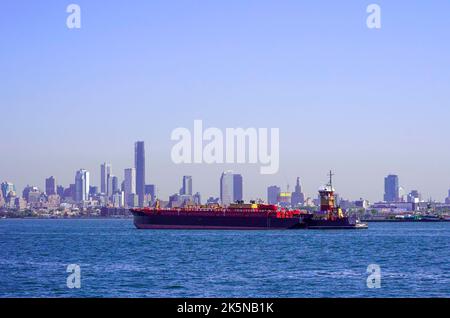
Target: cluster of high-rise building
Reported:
[(134, 192), (131, 192), (393, 192)]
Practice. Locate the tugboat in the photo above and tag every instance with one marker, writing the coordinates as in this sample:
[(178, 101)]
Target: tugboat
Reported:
[(330, 216)]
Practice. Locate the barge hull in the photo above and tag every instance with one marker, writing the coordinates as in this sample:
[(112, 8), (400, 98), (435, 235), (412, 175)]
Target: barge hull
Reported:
[(214, 222)]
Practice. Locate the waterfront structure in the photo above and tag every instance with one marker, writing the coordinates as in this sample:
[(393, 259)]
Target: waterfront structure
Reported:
[(139, 164), (391, 189), (82, 185), (187, 186), (272, 194), (105, 171), (298, 198), (392, 207), (50, 186)]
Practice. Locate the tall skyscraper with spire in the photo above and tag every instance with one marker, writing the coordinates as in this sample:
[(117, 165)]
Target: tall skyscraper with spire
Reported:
[(139, 164)]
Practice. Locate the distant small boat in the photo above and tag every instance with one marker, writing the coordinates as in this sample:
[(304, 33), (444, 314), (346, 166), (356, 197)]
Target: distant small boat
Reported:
[(431, 218)]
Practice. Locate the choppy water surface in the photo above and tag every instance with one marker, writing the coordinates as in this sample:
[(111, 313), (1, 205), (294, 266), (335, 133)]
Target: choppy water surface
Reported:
[(119, 261)]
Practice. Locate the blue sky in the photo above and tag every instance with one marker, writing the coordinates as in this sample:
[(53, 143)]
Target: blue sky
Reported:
[(362, 102)]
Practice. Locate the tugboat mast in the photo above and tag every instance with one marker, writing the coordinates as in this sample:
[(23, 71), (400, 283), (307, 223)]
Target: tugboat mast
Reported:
[(331, 179)]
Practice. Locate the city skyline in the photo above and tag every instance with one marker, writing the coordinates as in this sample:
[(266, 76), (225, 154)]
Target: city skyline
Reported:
[(231, 187), (312, 70)]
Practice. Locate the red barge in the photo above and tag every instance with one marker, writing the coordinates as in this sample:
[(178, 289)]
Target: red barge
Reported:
[(236, 217)]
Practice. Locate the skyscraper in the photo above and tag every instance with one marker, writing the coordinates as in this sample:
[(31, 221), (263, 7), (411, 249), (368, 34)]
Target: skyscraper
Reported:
[(93, 190), (129, 183), (7, 187), (60, 191), (197, 198), (29, 189), (109, 186), (114, 184), (50, 186), (150, 190), (187, 186), (105, 171), (139, 164), (71, 191), (391, 188), (237, 187), (226, 188), (272, 194), (81, 185), (298, 198)]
